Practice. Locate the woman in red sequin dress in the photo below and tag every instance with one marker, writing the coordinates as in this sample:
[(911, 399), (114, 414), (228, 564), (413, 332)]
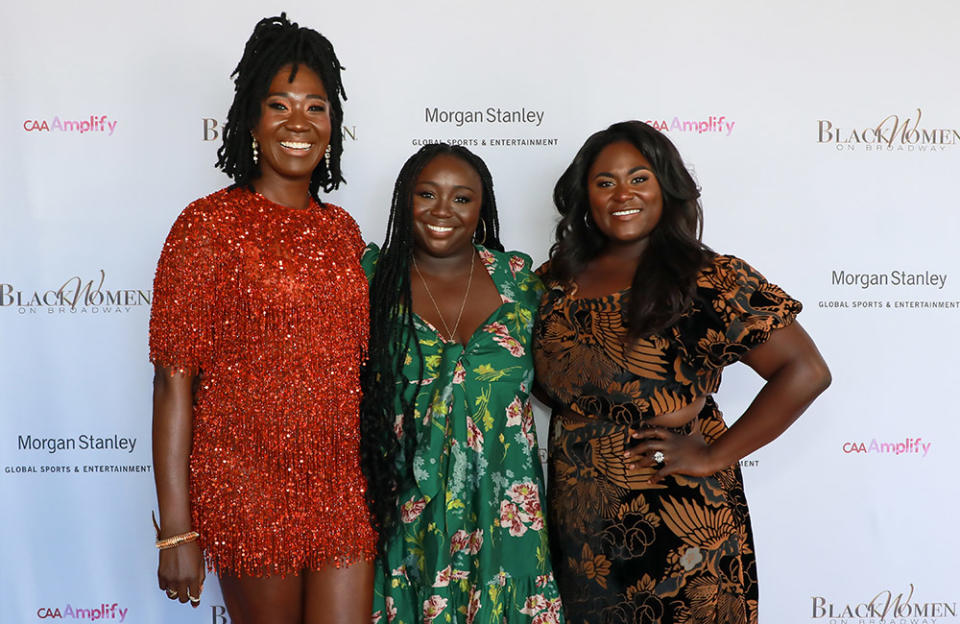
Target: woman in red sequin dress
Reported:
[(257, 333)]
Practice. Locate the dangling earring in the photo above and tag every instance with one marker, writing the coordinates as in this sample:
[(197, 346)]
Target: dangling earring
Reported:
[(256, 149), (326, 157), (483, 239)]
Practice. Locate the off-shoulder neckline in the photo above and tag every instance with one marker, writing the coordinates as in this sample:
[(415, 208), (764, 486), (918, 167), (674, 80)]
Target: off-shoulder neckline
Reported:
[(575, 287)]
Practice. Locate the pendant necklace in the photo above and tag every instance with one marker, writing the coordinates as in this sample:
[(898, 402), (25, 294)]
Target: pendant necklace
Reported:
[(463, 304)]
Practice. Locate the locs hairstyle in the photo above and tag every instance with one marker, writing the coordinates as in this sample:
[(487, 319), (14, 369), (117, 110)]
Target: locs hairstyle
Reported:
[(276, 42), (393, 337), (666, 279)]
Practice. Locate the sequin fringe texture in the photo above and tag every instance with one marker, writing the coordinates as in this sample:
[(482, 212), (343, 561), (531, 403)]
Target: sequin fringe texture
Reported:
[(270, 304)]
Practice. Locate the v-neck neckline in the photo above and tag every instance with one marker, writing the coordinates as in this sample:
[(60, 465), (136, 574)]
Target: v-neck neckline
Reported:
[(489, 267)]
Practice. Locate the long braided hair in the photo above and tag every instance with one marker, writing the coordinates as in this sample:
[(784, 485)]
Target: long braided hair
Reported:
[(666, 279), (275, 43), (388, 461)]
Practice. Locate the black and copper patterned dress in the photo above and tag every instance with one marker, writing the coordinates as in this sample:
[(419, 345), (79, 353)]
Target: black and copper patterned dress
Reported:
[(624, 550)]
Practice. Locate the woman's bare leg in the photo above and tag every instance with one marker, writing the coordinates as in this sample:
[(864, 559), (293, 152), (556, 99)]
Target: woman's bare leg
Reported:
[(339, 595), (269, 600)]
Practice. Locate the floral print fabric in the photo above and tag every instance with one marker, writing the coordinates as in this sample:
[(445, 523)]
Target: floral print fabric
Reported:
[(473, 545), (680, 552)]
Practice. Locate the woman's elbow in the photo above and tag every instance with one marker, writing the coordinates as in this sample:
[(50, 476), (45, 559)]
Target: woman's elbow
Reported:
[(817, 374)]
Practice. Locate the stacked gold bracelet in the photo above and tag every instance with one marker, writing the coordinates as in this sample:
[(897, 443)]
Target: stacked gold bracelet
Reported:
[(174, 541)]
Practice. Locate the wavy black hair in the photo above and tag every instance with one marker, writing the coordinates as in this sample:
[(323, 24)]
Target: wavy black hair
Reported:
[(388, 461), (666, 279), (275, 43)]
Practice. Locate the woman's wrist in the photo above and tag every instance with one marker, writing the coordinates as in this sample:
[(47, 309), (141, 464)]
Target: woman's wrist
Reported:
[(171, 525), (716, 461)]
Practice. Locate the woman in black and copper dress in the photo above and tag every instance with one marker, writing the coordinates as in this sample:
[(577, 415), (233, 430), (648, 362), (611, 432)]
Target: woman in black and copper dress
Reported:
[(647, 515)]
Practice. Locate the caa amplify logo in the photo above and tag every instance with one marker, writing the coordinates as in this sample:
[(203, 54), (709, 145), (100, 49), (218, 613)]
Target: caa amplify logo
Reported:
[(892, 133), (76, 296), (909, 446), (883, 608), (212, 129), (714, 124), (104, 611), (96, 123)]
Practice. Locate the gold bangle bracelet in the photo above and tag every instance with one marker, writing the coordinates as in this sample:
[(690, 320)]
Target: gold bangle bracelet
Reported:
[(176, 540)]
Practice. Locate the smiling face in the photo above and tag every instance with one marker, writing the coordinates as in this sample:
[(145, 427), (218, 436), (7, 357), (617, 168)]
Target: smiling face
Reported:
[(447, 197), (624, 194), (294, 126)]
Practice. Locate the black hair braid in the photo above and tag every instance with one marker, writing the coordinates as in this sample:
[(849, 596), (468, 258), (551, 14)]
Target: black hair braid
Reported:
[(275, 43), (393, 339), (665, 281)]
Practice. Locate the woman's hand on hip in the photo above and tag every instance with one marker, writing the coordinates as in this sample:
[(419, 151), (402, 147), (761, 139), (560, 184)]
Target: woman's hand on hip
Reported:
[(677, 453)]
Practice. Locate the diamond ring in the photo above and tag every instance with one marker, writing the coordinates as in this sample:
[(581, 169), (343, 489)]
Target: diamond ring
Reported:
[(659, 457)]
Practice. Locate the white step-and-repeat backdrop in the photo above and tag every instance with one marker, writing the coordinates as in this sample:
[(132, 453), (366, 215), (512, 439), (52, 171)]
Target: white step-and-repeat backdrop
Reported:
[(825, 135)]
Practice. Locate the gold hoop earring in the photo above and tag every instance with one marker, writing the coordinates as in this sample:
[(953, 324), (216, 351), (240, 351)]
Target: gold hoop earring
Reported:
[(256, 149), (483, 239)]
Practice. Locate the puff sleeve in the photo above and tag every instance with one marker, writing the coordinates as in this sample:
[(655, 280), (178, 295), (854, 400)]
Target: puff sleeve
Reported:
[(368, 260), (746, 308), (528, 282), (181, 315)]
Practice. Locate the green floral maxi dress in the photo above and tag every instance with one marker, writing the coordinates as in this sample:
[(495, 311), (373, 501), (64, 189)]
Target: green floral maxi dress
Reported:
[(472, 546)]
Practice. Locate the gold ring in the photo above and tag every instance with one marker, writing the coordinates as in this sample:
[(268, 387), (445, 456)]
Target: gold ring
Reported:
[(172, 593)]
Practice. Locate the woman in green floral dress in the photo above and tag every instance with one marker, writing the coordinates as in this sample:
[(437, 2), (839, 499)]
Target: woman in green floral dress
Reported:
[(450, 449)]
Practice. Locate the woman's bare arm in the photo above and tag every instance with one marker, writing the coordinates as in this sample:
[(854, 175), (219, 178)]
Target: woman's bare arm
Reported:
[(181, 568), (795, 373)]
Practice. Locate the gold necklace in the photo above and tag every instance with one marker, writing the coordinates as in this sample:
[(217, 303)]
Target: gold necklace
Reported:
[(463, 304)]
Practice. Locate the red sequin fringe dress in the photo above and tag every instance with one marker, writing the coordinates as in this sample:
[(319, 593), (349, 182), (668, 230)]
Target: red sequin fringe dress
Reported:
[(270, 304)]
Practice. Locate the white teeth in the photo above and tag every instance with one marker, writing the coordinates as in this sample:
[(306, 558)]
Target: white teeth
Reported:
[(623, 213), (439, 228), (296, 145)]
